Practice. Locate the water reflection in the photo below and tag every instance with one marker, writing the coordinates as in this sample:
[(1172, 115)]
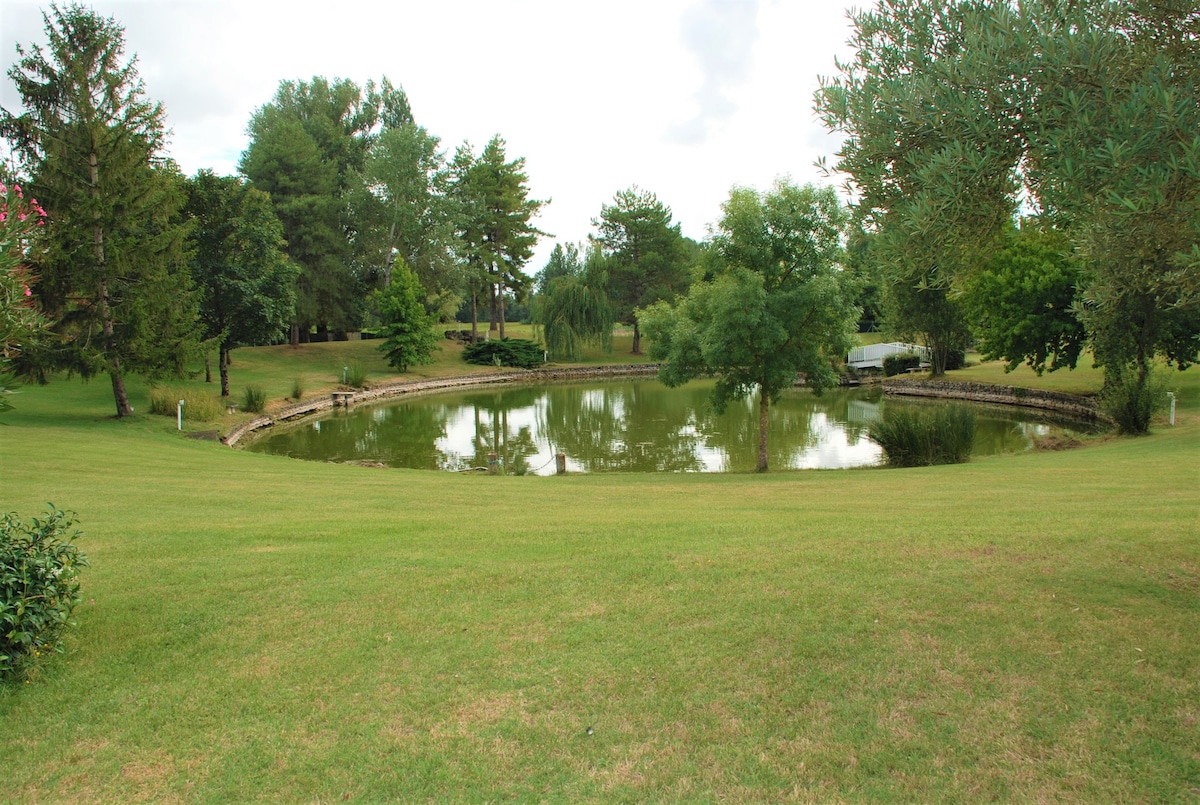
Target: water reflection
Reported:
[(630, 426)]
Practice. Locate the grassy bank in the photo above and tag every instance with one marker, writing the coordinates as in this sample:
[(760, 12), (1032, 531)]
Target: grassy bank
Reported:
[(258, 628)]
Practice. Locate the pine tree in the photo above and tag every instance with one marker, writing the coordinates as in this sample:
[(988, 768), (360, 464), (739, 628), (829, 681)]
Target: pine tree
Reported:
[(112, 271)]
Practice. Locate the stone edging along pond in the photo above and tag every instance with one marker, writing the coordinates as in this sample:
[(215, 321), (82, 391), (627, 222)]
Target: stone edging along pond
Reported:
[(407, 387), (1070, 404)]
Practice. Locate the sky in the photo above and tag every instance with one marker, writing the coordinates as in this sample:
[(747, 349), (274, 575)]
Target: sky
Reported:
[(683, 98)]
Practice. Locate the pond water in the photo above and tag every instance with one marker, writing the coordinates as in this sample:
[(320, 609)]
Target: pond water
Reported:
[(617, 426)]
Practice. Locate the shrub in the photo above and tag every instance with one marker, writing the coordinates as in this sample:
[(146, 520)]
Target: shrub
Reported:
[(297, 388), (356, 375), (898, 364), (39, 586), (197, 406), (517, 352), (254, 400), (1131, 399), (917, 437)]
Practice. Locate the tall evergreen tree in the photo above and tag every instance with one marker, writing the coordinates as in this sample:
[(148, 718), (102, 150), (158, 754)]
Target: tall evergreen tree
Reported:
[(648, 258), (113, 274), (494, 214)]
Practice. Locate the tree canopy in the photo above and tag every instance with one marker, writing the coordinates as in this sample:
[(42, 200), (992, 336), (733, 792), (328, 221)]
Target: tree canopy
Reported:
[(239, 265), (959, 114), (776, 307), (494, 214)]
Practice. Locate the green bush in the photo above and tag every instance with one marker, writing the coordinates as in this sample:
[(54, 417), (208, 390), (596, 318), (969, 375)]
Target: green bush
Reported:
[(197, 406), (517, 352), (39, 586), (899, 364), (917, 437), (356, 375), (1132, 399), (297, 388), (254, 400)]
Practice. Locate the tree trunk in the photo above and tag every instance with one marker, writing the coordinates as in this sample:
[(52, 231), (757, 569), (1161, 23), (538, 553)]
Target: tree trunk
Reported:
[(637, 339), (119, 393), (120, 396), (223, 363), (495, 310), (764, 408), (500, 303), (294, 335), (207, 367), (474, 317)]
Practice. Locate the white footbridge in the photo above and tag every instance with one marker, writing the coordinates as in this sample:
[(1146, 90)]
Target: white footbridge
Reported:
[(872, 355)]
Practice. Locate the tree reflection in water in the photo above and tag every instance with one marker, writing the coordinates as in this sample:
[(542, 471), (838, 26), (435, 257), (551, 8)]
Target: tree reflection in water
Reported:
[(620, 426)]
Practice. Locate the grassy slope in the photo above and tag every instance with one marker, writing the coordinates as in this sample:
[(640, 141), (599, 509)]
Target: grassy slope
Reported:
[(260, 628)]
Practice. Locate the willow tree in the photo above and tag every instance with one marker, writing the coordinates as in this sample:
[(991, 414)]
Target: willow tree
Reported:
[(113, 276), (776, 307), (572, 306)]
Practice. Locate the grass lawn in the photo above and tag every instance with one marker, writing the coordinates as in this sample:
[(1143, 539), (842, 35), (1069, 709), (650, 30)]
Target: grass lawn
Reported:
[(262, 629)]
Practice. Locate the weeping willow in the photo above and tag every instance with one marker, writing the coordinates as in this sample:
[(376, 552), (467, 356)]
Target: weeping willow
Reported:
[(572, 314)]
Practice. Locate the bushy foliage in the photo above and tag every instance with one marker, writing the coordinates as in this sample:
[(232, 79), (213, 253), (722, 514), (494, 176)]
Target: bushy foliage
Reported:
[(39, 586), (518, 352), (254, 400), (1131, 400), (297, 387), (918, 437), (356, 375), (898, 364), (197, 406)]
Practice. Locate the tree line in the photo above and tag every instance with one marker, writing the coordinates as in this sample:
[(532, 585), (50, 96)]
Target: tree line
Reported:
[(344, 210)]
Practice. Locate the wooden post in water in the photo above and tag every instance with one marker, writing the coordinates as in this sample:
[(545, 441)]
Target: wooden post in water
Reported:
[(560, 463)]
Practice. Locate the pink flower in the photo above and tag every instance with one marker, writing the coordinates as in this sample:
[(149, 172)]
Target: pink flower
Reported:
[(17, 187), (27, 291), (21, 217), (3, 216)]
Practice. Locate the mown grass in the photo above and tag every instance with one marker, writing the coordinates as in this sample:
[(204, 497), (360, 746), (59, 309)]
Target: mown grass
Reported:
[(262, 629)]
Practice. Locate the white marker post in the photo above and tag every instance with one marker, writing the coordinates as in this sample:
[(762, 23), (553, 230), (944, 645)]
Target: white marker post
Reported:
[(179, 414), (1171, 394)]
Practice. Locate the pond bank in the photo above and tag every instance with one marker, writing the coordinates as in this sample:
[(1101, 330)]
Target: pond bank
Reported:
[(409, 387), (1072, 405)]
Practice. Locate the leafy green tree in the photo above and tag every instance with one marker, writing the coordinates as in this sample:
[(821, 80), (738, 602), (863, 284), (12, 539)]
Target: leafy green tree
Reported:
[(647, 254), (113, 277), (1021, 302), (307, 148), (956, 113), (915, 308), (401, 210), (239, 265), (776, 307), (573, 307), (494, 214), (407, 328)]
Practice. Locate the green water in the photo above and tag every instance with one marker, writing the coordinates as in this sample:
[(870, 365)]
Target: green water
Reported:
[(620, 426)]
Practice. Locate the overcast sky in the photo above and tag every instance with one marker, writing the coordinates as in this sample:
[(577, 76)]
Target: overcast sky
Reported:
[(685, 98)]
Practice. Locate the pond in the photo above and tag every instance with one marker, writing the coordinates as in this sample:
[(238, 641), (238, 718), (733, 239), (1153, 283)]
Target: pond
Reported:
[(617, 426)]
